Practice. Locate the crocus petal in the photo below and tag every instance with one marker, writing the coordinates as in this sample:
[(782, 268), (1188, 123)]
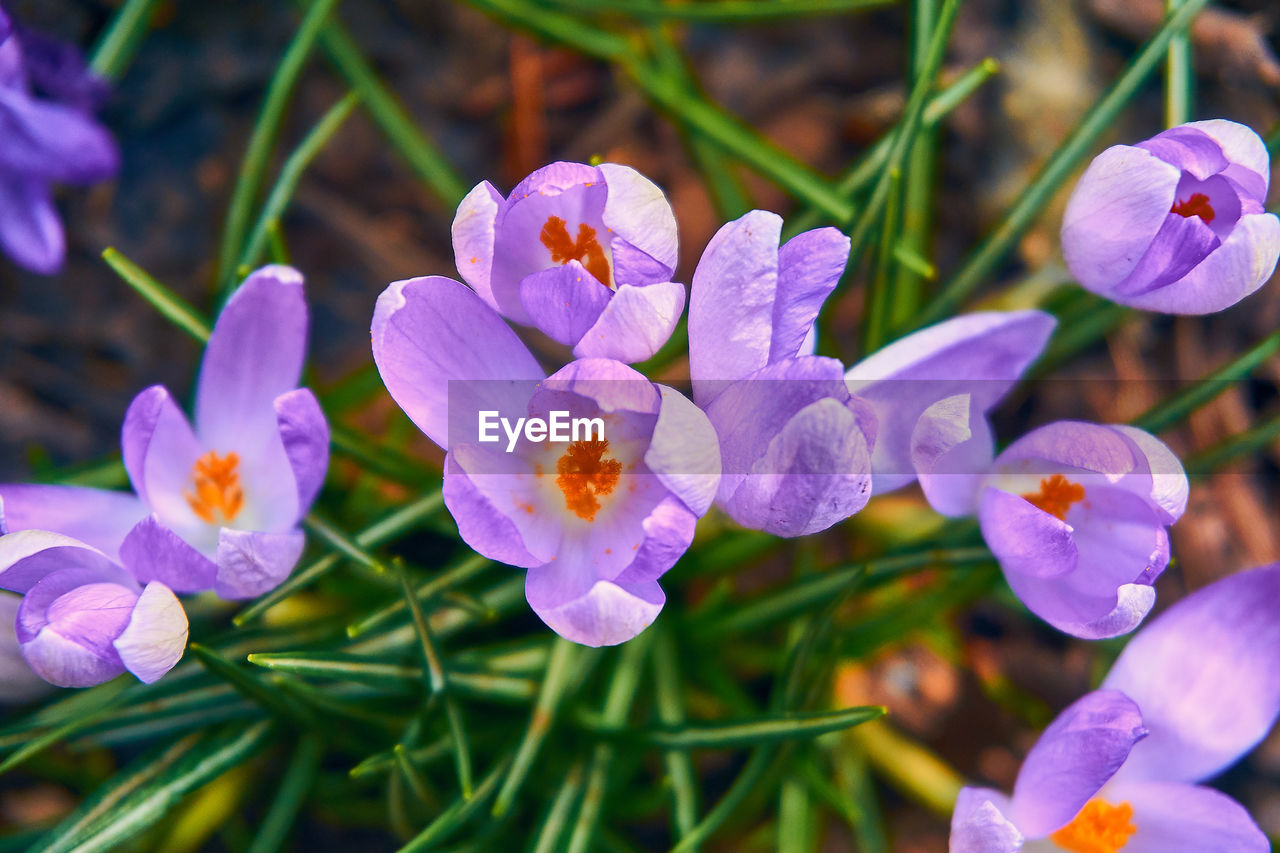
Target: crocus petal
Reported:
[(685, 452), (77, 626), (564, 301), (590, 611), (254, 355), (28, 556), (1114, 213), (481, 524), (473, 238), (1242, 264), (305, 435), (153, 552), (981, 355), (30, 231), (634, 324), (1074, 757), (815, 472), (252, 563), (668, 533), (1189, 149), (951, 451), (428, 331), (1026, 540), (156, 636), (48, 141), (1169, 486), (6, 26), (809, 267), (160, 452), (58, 69), (1249, 164), (732, 300), (1181, 243), (1204, 674), (638, 212), (979, 825), (1170, 817), (97, 517)]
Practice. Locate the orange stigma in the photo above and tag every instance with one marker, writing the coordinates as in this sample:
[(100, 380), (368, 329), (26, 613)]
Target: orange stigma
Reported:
[(1099, 828), (217, 487), (1056, 496), (586, 249), (1197, 205), (585, 474)]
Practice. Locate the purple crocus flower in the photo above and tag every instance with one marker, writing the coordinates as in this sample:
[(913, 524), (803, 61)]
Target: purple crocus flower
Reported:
[(597, 519), (796, 444), (584, 253), (964, 366), (84, 619), (1118, 770), (48, 134), (1076, 513), (1176, 223), (225, 498)]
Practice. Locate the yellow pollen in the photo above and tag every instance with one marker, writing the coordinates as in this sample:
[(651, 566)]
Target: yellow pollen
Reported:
[(1099, 828), (217, 487), (585, 474), (586, 249), (1056, 496)]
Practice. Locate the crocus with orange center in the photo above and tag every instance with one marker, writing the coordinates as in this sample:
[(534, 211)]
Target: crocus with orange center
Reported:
[(595, 520), (583, 253), (1119, 771)]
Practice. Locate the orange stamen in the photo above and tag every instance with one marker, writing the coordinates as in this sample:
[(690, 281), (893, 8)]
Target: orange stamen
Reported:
[(1197, 205), (1056, 496), (585, 474), (217, 487), (586, 249), (1099, 828)]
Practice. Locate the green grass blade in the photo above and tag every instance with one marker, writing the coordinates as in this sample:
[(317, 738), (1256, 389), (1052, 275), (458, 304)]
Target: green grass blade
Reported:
[(106, 704), (290, 175), (1179, 75), (1020, 216), (720, 11), (553, 827), (470, 566), (290, 795), (766, 728), (172, 306), (263, 138), (456, 815), (670, 706), (118, 44)]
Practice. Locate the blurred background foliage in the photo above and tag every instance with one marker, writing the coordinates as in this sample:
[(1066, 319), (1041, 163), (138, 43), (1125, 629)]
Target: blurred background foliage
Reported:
[(397, 691)]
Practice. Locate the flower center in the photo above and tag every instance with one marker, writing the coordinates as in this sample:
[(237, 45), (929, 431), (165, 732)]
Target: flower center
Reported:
[(1197, 205), (217, 487), (586, 249), (1099, 828), (1056, 496), (585, 474)]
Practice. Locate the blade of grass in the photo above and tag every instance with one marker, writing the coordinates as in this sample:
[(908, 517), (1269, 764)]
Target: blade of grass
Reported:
[(262, 140), (766, 728), (173, 307), (454, 817), (107, 703), (670, 705), (795, 818), (470, 566), (118, 44), (274, 830), (1254, 440), (548, 840), (1179, 75), (290, 175), (720, 11), (983, 261)]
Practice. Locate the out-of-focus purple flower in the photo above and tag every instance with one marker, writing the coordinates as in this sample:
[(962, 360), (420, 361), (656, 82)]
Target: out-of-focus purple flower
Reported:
[(225, 498), (17, 682), (84, 619), (972, 362), (584, 253), (1077, 513), (1192, 692), (1175, 223), (48, 134), (596, 520), (796, 445)]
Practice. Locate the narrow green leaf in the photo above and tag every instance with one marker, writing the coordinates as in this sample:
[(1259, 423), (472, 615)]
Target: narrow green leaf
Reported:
[(557, 819), (743, 785), (766, 728), (1179, 75), (983, 261), (118, 44), (174, 308), (559, 669), (291, 793), (1252, 441), (670, 705), (249, 685), (411, 775), (384, 761), (454, 817), (470, 566), (109, 701), (720, 11), (795, 818), (879, 297), (291, 173), (342, 543), (262, 140)]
